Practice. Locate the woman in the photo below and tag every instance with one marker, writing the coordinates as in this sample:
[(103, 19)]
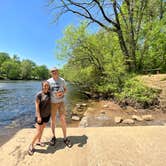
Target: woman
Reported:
[(42, 104)]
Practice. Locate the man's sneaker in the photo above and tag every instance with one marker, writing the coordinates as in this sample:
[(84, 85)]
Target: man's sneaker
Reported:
[(67, 142), (53, 141)]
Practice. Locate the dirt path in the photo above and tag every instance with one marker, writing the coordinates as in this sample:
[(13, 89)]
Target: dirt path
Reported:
[(157, 81)]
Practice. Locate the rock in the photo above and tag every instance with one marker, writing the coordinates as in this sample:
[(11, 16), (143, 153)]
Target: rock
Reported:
[(90, 110), (118, 119), (78, 105), (84, 122), (102, 112), (129, 108), (80, 109), (128, 121), (102, 117), (147, 117), (156, 109), (76, 118), (74, 111), (85, 113), (105, 106), (138, 118), (84, 104)]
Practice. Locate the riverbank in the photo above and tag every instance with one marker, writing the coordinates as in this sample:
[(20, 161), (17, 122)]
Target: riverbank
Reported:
[(109, 113), (111, 146)]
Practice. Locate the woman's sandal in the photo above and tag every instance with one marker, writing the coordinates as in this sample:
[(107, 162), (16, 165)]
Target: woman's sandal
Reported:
[(40, 144), (67, 142), (31, 150)]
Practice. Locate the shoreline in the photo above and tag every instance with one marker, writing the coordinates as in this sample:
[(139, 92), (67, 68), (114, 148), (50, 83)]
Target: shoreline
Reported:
[(4, 138), (98, 114), (7, 133)]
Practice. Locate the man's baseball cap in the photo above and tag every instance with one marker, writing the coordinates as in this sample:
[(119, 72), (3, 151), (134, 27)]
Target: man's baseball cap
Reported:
[(53, 69)]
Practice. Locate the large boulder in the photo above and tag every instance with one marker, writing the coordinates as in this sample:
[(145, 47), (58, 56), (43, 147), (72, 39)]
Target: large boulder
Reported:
[(128, 121)]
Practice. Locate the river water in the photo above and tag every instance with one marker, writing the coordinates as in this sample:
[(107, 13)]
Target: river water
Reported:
[(17, 103)]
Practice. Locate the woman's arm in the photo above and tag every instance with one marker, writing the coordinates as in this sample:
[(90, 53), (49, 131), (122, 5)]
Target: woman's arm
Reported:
[(38, 110)]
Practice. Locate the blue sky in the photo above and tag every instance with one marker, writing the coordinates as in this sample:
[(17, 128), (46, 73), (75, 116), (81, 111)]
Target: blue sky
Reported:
[(27, 29)]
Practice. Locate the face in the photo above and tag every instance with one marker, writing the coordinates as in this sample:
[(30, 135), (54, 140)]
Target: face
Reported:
[(54, 73), (45, 87)]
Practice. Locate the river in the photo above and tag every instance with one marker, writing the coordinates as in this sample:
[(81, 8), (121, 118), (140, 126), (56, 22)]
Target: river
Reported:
[(17, 104)]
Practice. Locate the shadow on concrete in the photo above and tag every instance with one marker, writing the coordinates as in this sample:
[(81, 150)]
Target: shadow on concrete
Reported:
[(80, 141)]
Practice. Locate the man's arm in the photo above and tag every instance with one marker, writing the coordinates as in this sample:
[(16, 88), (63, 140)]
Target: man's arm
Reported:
[(65, 89)]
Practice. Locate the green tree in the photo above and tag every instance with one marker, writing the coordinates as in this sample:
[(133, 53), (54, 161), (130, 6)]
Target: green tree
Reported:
[(26, 69), (124, 18), (3, 57), (11, 69), (151, 51), (42, 72), (92, 63)]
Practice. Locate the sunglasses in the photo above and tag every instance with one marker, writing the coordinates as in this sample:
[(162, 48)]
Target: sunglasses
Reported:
[(53, 71)]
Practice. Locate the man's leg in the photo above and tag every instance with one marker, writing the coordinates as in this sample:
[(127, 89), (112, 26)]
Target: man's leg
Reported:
[(53, 118), (64, 126), (62, 113), (53, 122)]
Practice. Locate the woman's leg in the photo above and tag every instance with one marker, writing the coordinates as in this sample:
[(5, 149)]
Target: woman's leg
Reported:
[(41, 133), (37, 135)]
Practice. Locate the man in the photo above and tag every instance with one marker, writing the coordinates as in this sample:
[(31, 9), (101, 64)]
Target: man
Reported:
[(58, 89)]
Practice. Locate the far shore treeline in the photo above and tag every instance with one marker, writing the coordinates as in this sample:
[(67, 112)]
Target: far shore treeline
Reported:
[(14, 69)]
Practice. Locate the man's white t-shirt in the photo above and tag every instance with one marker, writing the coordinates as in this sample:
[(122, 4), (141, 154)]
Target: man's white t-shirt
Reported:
[(55, 86)]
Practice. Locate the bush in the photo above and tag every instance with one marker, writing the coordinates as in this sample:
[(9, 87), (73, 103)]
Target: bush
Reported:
[(136, 94)]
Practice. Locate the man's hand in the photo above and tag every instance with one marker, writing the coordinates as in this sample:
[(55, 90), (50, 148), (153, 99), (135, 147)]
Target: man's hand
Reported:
[(60, 94)]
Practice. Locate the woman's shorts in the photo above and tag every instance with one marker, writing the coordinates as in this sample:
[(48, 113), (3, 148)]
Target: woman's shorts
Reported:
[(44, 120)]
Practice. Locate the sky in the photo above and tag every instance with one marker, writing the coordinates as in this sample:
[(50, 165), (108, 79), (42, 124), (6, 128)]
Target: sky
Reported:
[(27, 30)]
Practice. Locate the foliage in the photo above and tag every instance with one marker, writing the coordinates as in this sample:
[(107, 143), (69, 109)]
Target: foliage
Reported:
[(10, 69), (42, 72), (154, 42), (135, 92), (4, 57), (94, 63), (139, 26), (26, 69), (13, 68), (131, 39)]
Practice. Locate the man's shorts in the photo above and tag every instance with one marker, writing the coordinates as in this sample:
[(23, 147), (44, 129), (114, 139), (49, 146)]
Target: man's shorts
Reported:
[(58, 107), (43, 120)]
